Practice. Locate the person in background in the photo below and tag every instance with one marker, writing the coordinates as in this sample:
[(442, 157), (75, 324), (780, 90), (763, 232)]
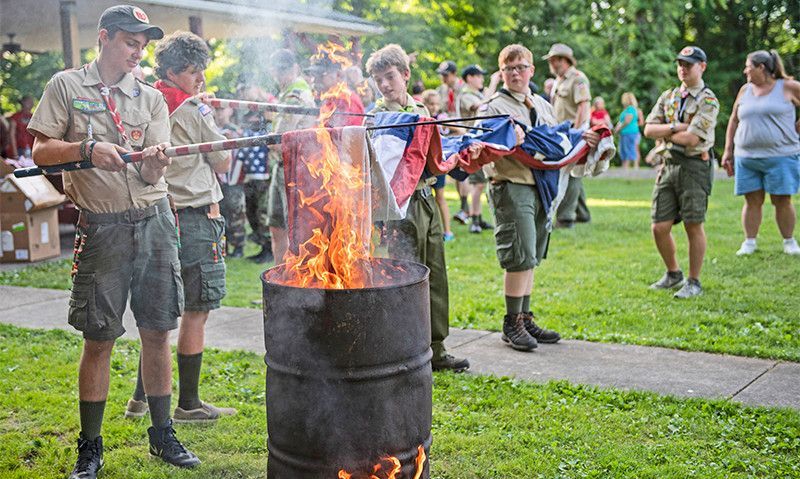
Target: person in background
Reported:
[(432, 101), (599, 115), (326, 76), (762, 149), (233, 205), (417, 89), (547, 89), (5, 137), (628, 129), (22, 139)]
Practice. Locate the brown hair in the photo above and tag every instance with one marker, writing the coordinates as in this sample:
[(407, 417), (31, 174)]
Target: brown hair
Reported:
[(391, 55), (513, 52), (772, 62)]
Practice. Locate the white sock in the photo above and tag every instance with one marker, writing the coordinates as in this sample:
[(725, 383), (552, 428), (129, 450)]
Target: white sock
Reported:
[(749, 242)]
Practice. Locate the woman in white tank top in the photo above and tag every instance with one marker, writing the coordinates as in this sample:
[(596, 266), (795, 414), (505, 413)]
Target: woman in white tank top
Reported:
[(762, 147)]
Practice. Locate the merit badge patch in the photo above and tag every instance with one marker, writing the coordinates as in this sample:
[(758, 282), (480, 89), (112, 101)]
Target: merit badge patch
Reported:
[(140, 15), (204, 109), (136, 134), (88, 105), (136, 92)]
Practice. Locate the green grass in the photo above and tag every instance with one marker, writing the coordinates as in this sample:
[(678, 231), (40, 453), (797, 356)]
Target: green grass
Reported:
[(593, 285), (483, 427)]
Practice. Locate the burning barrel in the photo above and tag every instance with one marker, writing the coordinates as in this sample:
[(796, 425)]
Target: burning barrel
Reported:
[(349, 376)]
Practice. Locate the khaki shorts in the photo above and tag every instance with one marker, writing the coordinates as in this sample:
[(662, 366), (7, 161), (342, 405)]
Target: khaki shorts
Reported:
[(202, 259), (277, 198), (682, 189), (119, 254), (520, 234)]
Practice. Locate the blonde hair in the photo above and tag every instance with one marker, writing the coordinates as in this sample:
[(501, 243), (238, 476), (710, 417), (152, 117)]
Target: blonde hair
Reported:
[(629, 99), (513, 52), (772, 63), (428, 94), (391, 55)]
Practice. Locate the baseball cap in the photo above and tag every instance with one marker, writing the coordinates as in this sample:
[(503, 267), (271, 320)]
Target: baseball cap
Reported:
[(448, 66), (692, 54), (561, 50), (472, 70), (130, 19)]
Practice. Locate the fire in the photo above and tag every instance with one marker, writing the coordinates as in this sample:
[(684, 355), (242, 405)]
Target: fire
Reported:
[(336, 256), (394, 469)]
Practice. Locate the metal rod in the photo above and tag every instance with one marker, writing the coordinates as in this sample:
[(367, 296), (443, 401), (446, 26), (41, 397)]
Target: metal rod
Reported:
[(273, 107)]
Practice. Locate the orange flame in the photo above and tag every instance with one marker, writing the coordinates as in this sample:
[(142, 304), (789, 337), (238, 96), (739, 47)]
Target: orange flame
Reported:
[(395, 467)]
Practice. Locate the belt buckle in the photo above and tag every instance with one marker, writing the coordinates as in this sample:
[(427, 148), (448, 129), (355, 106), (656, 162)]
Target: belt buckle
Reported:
[(136, 215)]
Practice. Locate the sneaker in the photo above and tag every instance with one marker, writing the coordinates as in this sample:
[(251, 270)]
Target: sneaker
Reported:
[(791, 247), (450, 363), (462, 217), (515, 334), (263, 256), (237, 252), (449, 236), (136, 409), (690, 289), (670, 280), (541, 335), (165, 445), (747, 248), (475, 228), (485, 225), (90, 458), (205, 413)]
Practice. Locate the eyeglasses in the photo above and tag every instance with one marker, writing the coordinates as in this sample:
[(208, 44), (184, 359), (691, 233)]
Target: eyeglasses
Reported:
[(516, 68)]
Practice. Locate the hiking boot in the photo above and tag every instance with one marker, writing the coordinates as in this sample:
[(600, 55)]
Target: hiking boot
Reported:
[(90, 458), (165, 445), (747, 248), (462, 217), (690, 289), (136, 409), (263, 256), (238, 252), (670, 280), (475, 228), (541, 335), (205, 413), (450, 363), (515, 334)]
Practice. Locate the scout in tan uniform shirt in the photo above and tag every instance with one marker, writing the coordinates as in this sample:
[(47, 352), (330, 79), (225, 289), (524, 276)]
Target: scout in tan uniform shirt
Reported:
[(294, 91), (181, 60), (418, 237), (684, 118), (126, 241), (570, 98)]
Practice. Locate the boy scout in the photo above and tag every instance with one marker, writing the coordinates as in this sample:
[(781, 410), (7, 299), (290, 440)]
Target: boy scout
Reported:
[(570, 98), (521, 234), (181, 60), (418, 237), (294, 91), (684, 117), (126, 241)]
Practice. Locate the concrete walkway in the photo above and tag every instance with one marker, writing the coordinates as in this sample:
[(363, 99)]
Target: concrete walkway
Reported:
[(751, 381)]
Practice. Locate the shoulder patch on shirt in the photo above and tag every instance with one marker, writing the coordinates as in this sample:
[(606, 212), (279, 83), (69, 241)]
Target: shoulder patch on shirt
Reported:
[(710, 100), (204, 109), (88, 105)]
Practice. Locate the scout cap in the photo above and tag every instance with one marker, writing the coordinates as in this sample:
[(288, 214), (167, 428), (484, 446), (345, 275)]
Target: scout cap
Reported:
[(282, 58), (692, 54), (130, 19), (561, 50), (472, 70), (448, 66)]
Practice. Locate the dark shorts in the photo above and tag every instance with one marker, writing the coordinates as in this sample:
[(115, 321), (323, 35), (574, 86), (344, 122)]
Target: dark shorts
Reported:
[(277, 198), (120, 254), (682, 189), (202, 259), (520, 234), (441, 180), (478, 178)]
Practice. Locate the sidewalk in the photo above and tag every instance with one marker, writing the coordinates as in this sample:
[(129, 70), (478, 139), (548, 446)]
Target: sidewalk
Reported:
[(760, 382)]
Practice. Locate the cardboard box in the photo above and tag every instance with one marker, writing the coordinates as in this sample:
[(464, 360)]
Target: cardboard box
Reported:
[(29, 219)]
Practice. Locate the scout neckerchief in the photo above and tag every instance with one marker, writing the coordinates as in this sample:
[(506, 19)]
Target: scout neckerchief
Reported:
[(174, 96), (534, 117), (111, 105)]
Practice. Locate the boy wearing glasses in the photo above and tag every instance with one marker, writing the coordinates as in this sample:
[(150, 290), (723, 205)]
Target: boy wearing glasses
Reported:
[(520, 235)]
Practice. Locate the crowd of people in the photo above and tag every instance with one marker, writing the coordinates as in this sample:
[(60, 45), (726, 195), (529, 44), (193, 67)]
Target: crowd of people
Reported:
[(154, 232)]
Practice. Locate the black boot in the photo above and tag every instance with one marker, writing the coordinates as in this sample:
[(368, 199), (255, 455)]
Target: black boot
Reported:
[(238, 252), (450, 363), (165, 445), (540, 334), (90, 458), (485, 225), (263, 256), (515, 335)]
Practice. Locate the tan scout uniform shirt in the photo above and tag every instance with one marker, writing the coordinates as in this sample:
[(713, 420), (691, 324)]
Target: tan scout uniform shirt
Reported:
[(444, 95), (468, 102), (71, 101), (568, 92), (516, 105), (191, 179), (699, 110)]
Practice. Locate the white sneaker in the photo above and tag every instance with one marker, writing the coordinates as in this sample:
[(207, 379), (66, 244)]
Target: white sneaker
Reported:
[(748, 248), (791, 247)]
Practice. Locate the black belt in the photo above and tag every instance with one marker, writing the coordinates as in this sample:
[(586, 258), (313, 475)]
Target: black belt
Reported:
[(132, 215)]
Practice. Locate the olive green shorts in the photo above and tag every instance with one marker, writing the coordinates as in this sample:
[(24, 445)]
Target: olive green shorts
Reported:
[(202, 260), (277, 198), (478, 178), (520, 233), (120, 254), (682, 189)]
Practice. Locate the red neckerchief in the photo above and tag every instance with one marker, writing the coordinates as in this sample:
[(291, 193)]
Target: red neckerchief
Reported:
[(111, 105), (174, 96)]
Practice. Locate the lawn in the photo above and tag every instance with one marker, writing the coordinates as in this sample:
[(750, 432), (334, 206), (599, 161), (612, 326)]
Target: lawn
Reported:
[(593, 285), (483, 427)]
